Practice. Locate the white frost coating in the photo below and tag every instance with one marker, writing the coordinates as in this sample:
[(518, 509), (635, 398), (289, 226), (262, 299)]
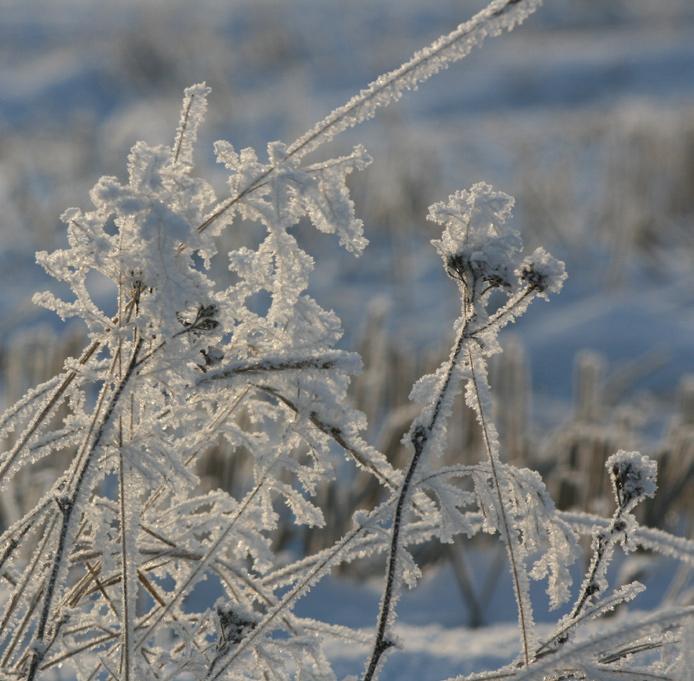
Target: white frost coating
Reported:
[(29, 418), (8, 423), (544, 533), (186, 362), (181, 332), (291, 191), (193, 112), (544, 272), (476, 237), (633, 477)]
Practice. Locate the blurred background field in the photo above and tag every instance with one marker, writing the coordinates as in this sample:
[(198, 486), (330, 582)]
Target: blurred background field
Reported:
[(585, 114)]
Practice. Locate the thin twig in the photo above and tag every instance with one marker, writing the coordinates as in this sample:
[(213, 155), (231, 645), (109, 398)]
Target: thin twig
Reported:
[(319, 362), (419, 438)]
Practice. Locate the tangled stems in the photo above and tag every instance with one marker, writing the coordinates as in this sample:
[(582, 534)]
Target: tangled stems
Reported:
[(67, 505)]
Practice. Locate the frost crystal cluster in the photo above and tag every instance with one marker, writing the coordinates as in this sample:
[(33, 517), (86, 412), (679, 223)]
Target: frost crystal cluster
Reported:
[(101, 576)]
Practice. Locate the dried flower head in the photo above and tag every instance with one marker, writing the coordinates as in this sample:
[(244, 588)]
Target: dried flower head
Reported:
[(543, 272), (476, 244), (633, 477)]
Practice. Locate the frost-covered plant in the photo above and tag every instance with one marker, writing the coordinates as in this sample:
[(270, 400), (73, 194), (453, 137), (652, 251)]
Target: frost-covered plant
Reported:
[(122, 539), (483, 255)]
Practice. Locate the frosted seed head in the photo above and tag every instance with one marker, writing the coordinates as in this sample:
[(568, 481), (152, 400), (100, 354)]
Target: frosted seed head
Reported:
[(633, 477), (542, 272), (476, 244), (202, 320)]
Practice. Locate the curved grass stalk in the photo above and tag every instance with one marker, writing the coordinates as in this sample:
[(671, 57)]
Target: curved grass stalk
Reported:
[(498, 16)]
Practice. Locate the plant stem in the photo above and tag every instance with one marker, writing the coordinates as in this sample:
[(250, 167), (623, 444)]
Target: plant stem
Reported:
[(506, 524), (603, 540), (420, 436)]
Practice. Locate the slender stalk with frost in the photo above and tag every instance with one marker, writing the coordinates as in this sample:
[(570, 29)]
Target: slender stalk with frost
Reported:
[(633, 478), (508, 531), (420, 436)]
